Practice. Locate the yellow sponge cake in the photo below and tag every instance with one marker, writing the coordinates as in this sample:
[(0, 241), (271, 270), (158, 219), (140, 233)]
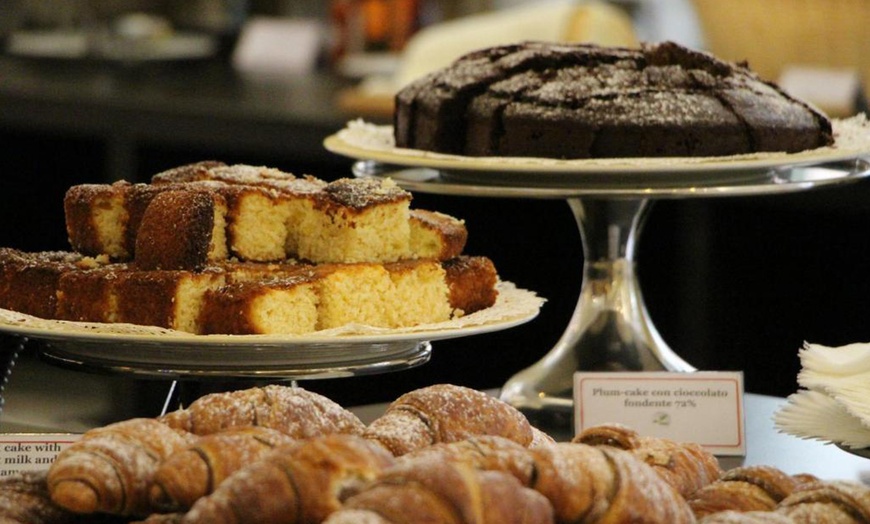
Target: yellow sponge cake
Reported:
[(96, 219), (211, 248), (357, 220), (283, 305), (436, 235), (168, 299), (182, 230), (28, 281)]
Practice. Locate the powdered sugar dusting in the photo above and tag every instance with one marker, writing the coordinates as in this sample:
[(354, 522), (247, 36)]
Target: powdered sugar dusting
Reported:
[(291, 410)]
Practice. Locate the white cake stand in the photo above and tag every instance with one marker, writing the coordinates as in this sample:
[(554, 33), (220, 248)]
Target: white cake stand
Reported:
[(610, 329)]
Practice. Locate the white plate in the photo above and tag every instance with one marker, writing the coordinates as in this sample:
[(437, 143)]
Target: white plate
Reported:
[(353, 350), (371, 142), (630, 177)]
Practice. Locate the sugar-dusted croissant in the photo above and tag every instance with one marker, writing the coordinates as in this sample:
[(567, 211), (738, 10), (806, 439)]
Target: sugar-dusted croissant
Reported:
[(583, 483), (446, 413), (486, 452), (110, 468), (685, 465), (292, 410), (431, 490), (832, 502), (24, 499), (743, 489), (297, 483), (604, 484), (194, 472)]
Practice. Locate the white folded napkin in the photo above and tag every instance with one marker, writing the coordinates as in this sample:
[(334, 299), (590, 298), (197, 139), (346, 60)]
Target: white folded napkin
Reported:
[(834, 402)]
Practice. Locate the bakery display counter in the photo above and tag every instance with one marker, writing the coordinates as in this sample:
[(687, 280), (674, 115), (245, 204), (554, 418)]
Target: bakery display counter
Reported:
[(34, 405), (610, 199)]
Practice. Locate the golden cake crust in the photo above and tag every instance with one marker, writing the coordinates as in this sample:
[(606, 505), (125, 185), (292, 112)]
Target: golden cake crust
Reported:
[(472, 281), (437, 235), (95, 213), (28, 280), (176, 231), (89, 295), (233, 309)]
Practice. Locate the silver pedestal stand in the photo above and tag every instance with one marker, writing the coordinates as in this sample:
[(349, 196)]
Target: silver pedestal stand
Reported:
[(610, 329)]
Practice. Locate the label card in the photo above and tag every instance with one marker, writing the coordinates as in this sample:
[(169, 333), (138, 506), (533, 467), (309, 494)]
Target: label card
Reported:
[(31, 451), (278, 46), (705, 407)]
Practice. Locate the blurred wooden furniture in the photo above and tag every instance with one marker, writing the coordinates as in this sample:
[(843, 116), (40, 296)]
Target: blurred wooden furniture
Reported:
[(777, 34)]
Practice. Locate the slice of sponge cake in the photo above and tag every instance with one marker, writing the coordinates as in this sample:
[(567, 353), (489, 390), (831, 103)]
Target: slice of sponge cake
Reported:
[(277, 306), (96, 219), (28, 281), (357, 220), (168, 299), (182, 230)]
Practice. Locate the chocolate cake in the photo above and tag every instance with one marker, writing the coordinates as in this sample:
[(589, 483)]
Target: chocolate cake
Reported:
[(573, 101)]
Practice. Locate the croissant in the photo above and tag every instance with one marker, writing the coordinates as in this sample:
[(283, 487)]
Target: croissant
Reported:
[(292, 410), (487, 452), (685, 465), (583, 483), (110, 468), (194, 472), (429, 490), (297, 483), (446, 413), (744, 489), (832, 502), (24, 499)]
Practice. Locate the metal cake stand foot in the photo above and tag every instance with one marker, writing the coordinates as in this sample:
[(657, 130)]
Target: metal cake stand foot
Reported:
[(10, 349), (610, 329)]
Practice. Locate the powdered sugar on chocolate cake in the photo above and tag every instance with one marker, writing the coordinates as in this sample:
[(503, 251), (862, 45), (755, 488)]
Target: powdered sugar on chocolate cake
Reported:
[(583, 101)]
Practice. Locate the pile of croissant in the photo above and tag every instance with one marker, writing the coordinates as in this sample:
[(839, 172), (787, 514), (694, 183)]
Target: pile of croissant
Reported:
[(439, 454)]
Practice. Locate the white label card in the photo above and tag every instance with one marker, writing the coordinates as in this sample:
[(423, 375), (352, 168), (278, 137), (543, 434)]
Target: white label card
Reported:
[(705, 407), (278, 46), (31, 451)]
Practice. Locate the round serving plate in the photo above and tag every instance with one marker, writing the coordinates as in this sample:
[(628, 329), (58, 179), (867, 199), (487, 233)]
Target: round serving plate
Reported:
[(670, 177), (295, 360), (350, 351)]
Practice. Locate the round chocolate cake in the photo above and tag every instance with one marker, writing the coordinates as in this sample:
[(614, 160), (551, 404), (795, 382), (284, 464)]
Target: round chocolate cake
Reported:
[(571, 101)]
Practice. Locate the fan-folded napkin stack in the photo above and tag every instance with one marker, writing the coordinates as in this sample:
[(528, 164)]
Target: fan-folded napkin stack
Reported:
[(834, 402)]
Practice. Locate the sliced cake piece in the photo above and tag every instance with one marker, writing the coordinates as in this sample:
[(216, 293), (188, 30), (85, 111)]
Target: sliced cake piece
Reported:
[(182, 230), (89, 295), (352, 294), (278, 306), (420, 294), (96, 219), (472, 281), (28, 281), (168, 299), (436, 235), (357, 220), (256, 223)]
